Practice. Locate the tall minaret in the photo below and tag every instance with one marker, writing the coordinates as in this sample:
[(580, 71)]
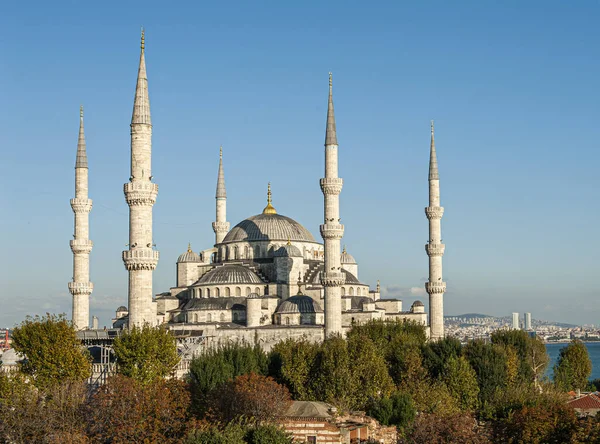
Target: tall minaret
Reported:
[(81, 245), (435, 249), (220, 225), (331, 230), (140, 194)]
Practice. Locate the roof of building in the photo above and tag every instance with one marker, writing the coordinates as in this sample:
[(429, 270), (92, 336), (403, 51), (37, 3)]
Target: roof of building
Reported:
[(230, 274), (586, 402), (269, 227), (226, 303), (288, 250), (309, 409), (122, 308), (418, 304), (189, 256), (347, 258), (316, 277), (299, 304), (10, 357), (356, 302)]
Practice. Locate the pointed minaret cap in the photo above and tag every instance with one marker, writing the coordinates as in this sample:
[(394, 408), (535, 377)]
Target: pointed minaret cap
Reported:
[(330, 134), (141, 104), (221, 193), (81, 160), (433, 166), (269, 209)]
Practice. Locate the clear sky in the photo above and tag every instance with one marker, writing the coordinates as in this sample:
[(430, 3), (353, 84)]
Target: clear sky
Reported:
[(512, 86)]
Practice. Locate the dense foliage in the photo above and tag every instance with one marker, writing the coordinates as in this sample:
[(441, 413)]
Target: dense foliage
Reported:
[(573, 367), (53, 354)]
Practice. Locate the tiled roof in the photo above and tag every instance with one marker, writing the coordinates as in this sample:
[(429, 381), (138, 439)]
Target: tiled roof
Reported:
[(586, 402), (269, 227)]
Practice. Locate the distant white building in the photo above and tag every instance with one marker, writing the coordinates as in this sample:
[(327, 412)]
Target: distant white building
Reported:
[(528, 321), (515, 322)]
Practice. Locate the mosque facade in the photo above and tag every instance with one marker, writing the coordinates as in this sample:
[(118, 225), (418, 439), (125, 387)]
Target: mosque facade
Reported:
[(267, 278)]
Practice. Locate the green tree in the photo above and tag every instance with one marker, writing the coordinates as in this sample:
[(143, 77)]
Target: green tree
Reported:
[(398, 409), (531, 352), (210, 433), (53, 353), (146, 353), (573, 367), (490, 364), (268, 434), (290, 363), (436, 354), (461, 380)]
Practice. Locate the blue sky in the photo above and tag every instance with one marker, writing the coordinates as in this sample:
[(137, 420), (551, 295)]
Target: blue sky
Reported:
[(512, 86)]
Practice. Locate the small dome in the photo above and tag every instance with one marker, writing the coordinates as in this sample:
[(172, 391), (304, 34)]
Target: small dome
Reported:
[(347, 258), (269, 227), (316, 278), (10, 357), (230, 274), (288, 250), (299, 304), (122, 308), (189, 256), (418, 304)]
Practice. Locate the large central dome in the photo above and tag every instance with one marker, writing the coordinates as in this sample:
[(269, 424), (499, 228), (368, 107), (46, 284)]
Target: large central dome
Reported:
[(264, 227)]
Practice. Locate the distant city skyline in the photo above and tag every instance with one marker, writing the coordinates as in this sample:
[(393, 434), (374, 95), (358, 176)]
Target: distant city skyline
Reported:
[(512, 89)]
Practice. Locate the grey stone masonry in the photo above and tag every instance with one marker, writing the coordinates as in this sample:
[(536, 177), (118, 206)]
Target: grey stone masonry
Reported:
[(331, 230), (220, 225), (81, 246), (435, 287), (140, 194)]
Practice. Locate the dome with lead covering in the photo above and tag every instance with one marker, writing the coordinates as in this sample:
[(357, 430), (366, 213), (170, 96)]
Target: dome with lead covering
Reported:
[(189, 256), (230, 274), (299, 304), (347, 258), (288, 251), (263, 227)]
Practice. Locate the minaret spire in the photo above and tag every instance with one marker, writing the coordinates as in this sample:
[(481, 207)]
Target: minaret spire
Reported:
[(220, 225), (435, 287), (81, 246), (140, 194), (332, 231)]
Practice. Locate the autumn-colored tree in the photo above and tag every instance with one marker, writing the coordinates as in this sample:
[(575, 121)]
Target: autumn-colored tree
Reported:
[(146, 353), (461, 380), (254, 397), (126, 410), (460, 428), (290, 363), (573, 367), (53, 353), (548, 424), (531, 354)]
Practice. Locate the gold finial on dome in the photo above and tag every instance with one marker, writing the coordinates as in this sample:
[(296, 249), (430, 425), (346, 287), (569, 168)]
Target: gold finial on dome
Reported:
[(344, 251), (189, 247), (289, 242), (300, 284), (269, 209)]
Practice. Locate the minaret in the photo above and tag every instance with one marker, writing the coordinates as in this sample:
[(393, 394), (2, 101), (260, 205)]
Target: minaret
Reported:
[(435, 249), (81, 245), (140, 194), (220, 225), (331, 230)]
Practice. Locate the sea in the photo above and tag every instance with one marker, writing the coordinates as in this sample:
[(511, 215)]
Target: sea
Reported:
[(593, 350)]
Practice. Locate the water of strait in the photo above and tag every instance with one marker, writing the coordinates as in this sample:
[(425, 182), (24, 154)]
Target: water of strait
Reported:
[(593, 350)]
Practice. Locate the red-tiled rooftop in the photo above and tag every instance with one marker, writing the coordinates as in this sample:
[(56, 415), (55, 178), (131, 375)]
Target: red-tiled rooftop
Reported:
[(586, 402)]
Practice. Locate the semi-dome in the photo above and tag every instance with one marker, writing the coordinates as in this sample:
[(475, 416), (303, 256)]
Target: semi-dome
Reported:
[(288, 250), (122, 308), (189, 256), (269, 226), (230, 274), (347, 258), (299, 304)]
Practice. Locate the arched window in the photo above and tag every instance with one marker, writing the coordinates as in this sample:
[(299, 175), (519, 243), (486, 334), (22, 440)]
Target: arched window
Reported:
[(196, 317), (222, 253), (257, 291), (235, 252), (257, 251), (199, 292), (246, 252), (287, 321), (217, 292), (238, 291), (248, 291), (213, 258), (344, 291), (208, 292), (222, 317), (358, 291), (227, 291), (209, 317), (235, 317), (351, 291)]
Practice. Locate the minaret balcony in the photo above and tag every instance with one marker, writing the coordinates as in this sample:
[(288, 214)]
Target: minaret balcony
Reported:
[(434, 212), (81, 288), (435, 249), (333, 279), (81, 205), (140, 259), (81, 246), (332, 231), (332, 185), (220, 227), (438, 287), (140, 193)]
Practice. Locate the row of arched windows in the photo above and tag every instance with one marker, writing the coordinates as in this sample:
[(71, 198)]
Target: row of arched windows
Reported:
[(235, 252), (349, 291), (225, 292), (209, 317)]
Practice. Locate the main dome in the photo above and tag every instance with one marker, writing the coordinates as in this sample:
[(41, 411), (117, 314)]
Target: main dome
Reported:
[(269, 227)]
